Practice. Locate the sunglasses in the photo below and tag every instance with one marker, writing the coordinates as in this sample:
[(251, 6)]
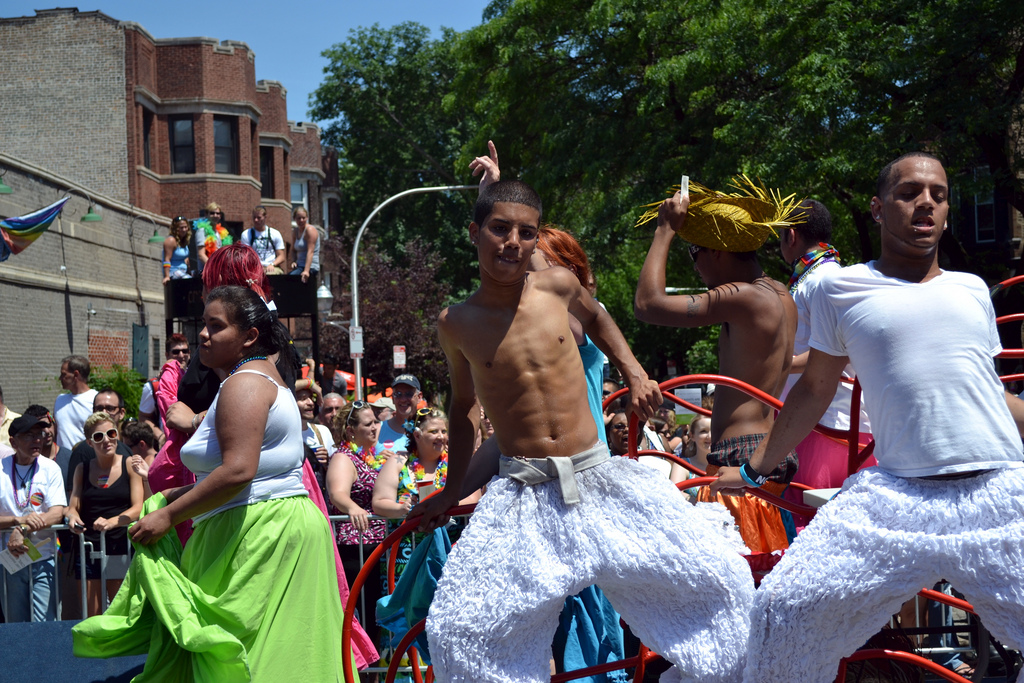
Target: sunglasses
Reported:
[(107, 409), (356, 407), (214, 213), (621, 427), (97, 437), (694, 250), (179, 218), (403, 394), (179, 352)]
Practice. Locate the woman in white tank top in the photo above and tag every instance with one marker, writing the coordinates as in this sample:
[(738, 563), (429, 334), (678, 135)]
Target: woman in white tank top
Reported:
[(260, 546)]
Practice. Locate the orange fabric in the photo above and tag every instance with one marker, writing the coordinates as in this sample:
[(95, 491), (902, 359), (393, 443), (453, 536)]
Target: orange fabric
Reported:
[(759, 521)]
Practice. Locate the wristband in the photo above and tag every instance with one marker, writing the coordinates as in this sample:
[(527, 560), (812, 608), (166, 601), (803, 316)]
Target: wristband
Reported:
[(194, 427), (751, 476)]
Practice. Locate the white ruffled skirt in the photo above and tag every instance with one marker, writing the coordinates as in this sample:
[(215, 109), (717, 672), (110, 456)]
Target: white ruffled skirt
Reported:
[(674, 572), (879, 542)]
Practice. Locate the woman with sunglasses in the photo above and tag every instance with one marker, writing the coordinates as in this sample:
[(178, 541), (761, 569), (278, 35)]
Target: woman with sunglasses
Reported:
[(106, 496), (210, 234), (176, 250), (350, 481)]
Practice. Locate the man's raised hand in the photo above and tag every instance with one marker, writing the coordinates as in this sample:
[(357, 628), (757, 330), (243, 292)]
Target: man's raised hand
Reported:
[(487, 165)]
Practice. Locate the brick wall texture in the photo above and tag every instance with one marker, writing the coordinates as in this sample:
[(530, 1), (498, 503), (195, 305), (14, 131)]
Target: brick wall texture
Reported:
[(46, 317), (63, 97)]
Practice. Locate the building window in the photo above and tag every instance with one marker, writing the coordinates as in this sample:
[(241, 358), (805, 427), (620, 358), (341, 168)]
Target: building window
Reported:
[(147, 139), (267, 172), (300, 195), (183, 151), (225, 144), (979, 210)]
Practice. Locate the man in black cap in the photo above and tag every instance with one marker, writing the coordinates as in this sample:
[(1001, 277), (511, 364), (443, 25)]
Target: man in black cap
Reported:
[(31, 499), (406, 393)]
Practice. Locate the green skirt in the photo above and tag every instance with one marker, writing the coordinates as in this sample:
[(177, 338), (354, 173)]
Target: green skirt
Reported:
[(253, 597)]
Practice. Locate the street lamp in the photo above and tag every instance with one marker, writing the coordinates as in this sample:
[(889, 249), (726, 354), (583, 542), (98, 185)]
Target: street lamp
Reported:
[(324, 300), (90, 215), (355, 331)]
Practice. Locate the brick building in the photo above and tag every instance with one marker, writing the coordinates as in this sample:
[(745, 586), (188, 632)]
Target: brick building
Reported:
[(146, 128)]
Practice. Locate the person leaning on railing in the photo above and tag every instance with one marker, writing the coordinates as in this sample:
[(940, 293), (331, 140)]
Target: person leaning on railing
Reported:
[(106, 496), (31, 499), (350, 480)]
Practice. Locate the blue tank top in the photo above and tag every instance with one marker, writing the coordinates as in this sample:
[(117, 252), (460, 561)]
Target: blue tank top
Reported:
[(178, 257)]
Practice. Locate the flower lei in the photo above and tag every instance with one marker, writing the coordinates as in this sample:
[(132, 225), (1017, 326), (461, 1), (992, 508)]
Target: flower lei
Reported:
[(369, 456), (414, 471), (802, 267), (216, 237)]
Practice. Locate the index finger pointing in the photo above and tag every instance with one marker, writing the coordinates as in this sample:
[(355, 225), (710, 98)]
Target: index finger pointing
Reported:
[(493, 151)]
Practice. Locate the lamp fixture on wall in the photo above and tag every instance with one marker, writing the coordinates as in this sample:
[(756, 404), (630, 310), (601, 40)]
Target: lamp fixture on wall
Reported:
[(90, 215)]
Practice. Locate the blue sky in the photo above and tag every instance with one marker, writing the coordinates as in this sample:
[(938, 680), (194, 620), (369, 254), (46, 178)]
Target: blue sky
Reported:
[(286, 37)]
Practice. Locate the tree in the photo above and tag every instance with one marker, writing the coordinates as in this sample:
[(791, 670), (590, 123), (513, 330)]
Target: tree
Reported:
[(399, 301), (386, 106)]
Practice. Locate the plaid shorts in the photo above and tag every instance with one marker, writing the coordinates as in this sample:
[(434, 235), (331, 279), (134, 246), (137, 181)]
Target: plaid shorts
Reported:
[(737, 450)]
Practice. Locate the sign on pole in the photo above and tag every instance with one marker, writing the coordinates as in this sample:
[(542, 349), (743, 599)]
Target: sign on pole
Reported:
[(399, 358), (355, 342)]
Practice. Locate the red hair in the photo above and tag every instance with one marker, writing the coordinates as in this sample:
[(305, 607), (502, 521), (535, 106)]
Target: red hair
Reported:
[(562, 249), (237, 264)]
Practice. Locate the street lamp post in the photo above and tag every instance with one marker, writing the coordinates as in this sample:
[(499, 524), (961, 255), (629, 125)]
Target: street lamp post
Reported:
[(358, 362)]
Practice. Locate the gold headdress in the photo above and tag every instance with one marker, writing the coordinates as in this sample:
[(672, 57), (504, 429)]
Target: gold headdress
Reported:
[(740, 221)]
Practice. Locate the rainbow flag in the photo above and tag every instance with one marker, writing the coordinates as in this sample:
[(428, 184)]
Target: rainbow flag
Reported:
[(20, 231)]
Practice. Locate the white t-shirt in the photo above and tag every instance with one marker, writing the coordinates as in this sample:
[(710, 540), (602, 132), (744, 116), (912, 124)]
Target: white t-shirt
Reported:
[(923, 353), (147, 404), (279, 473), (44, 491), (265, 243), (71, 412), (325, 438), (837, 415)]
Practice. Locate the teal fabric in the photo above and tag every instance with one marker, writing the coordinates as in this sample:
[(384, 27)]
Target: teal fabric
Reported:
[(409, 603)]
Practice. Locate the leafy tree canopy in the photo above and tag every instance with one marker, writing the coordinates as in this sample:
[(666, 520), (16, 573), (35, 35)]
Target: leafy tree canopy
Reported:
[(602, 105)]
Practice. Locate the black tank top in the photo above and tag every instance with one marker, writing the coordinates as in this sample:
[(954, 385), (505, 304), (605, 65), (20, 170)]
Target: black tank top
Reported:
[(106, 502)]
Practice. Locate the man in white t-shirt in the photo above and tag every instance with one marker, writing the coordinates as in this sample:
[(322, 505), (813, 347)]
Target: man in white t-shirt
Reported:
[(824, 463), (406, 393), (71, 410), (267, 242), (944, 500), (32, 498)]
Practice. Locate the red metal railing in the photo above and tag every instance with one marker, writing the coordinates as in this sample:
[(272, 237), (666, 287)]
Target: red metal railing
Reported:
[(857, 456)]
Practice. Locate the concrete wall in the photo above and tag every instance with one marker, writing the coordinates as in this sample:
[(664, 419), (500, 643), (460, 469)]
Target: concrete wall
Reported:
[(64, 97), (45, 315)]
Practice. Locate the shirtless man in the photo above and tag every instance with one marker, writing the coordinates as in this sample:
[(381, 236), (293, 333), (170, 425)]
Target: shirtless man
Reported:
[(758, 320), (563, 514)]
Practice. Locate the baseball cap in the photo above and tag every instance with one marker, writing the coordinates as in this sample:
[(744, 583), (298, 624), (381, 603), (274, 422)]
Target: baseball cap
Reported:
[(26, 422), (383, 402), (407, 379)]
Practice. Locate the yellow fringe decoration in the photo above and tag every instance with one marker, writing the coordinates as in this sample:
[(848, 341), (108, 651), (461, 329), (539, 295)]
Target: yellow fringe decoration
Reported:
[(738, 221)]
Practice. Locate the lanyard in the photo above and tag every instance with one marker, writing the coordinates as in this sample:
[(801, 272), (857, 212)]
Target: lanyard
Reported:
[(24, 480)]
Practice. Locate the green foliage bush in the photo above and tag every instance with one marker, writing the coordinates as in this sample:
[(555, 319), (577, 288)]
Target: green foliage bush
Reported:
[(125, 381)]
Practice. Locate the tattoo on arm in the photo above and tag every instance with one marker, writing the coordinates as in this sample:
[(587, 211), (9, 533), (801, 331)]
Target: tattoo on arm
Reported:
[(693, 308)]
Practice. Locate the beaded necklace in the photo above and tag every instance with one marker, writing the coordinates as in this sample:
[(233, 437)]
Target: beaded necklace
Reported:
[(25, 485), (370, 456), (802, 267), (244, 361)]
